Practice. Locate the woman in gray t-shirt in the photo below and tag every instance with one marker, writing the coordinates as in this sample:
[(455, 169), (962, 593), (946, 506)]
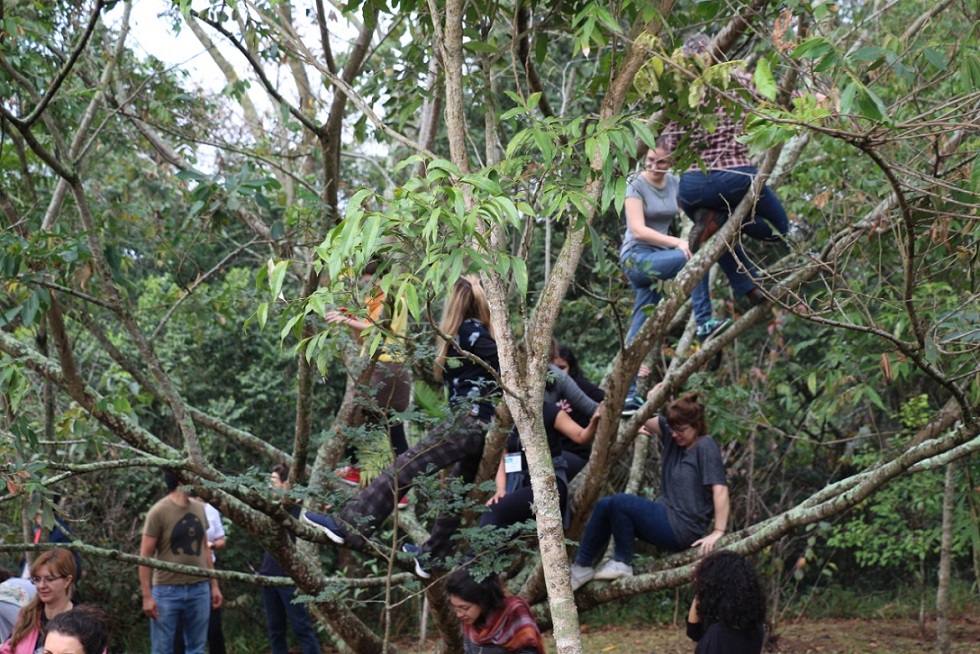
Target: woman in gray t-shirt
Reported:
[(649, 254), (693, 496)]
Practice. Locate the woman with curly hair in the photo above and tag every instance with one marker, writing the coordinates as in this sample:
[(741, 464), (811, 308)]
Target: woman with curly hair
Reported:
[(693, 496), (728, 613), (493, 622)]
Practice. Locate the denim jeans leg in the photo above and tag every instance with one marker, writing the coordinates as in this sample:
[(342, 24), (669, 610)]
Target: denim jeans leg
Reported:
[(275, 618), (739, 270), (169, 602), (597, 534), (632, 516), (196, 615), (701, 300), (299, 618)]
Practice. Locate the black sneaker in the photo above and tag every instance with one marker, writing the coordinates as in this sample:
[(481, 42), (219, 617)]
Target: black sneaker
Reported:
[(710, 328), (756, 297), (632, 405), (420, 570), (706, 223)]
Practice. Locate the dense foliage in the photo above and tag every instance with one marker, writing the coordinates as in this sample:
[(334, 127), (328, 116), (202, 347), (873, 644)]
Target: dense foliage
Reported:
[(168, 255)]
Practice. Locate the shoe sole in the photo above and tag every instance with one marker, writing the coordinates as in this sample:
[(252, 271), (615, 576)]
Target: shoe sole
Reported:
[(349, 482), (610, 576), (422, 572), (335, 537)]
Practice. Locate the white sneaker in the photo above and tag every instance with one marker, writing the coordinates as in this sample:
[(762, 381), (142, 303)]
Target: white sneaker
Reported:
[(613, 570), (581, 575)]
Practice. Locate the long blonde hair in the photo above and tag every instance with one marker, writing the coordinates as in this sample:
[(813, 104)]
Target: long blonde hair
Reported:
[(467, 300), (61, 563)]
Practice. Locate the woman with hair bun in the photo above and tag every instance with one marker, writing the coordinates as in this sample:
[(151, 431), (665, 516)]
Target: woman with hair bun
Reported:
[(693, 497), (728, 613), (83, 630)]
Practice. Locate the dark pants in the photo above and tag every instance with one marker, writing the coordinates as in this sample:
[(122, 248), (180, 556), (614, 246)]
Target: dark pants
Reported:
[(516, 506), (390, 392), (722, 190), (456, 442), (279, 608)]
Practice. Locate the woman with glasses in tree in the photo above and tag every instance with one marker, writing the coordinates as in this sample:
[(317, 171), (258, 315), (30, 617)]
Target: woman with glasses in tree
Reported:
[(693, 497), (53, 574)]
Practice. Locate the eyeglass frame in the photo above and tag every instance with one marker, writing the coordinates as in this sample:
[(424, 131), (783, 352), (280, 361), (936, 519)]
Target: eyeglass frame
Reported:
[(47, 580)]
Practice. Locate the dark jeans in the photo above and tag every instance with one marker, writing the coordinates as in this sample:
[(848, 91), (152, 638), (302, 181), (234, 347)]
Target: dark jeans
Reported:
[(624, 518), (279, 607), (722, 190)]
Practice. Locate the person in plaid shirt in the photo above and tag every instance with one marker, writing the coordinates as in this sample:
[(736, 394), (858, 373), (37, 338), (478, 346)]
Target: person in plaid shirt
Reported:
[(712, 187)]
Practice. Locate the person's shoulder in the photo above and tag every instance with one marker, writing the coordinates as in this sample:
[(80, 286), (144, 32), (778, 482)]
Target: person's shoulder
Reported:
[(158, 506)]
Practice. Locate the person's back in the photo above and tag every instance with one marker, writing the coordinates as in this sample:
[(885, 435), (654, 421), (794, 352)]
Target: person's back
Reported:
[(15, 593)]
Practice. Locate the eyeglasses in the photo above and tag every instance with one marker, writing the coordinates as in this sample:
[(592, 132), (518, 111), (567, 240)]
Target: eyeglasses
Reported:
[(47, 580), (680, 428)]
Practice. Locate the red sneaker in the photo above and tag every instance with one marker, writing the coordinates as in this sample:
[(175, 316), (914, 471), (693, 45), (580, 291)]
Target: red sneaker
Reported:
[(403, 502), (350, 475)]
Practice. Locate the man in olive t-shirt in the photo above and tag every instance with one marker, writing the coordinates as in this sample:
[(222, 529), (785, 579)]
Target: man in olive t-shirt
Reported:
[(175, 532)]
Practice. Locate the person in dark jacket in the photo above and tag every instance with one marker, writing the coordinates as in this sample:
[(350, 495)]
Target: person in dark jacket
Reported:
[(278, 600)]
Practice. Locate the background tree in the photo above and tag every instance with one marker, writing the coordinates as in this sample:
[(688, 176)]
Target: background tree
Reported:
[(441, 138)]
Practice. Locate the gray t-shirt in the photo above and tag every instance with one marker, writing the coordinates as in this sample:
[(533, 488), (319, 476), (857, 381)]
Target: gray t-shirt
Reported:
[(686, 479), (659, 207)]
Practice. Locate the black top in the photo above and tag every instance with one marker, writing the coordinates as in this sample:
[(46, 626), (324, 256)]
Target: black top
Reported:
[(719, 638), (469, 383)]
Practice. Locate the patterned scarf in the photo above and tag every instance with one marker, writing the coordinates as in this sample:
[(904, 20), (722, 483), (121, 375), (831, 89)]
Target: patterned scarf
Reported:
[(511, 627)]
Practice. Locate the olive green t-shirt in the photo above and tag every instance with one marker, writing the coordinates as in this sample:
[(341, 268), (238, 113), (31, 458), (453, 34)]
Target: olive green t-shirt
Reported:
[(180, 533)]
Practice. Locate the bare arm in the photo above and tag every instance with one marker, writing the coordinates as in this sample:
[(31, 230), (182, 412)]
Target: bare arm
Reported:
[(571, 429), (216, 598), (719, 495), (148, 548), (638, 227), (500, 481)]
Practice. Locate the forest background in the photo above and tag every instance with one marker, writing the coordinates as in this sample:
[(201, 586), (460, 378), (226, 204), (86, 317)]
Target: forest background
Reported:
[(168, 254)]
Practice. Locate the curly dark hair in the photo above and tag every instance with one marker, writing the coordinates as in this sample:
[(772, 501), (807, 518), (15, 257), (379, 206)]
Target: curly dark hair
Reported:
[(89, 624), (728, 590)]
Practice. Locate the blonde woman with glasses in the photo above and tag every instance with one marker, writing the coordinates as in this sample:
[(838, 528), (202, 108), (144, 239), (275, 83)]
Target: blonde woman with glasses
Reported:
[(53, 574)]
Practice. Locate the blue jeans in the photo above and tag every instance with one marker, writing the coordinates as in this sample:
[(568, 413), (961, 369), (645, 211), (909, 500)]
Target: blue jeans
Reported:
[(646, 266), (187, 604), (722, 190), (625, 517), (279, 607)]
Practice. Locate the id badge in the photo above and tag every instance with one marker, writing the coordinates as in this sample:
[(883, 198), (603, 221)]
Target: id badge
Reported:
[(512, 463)]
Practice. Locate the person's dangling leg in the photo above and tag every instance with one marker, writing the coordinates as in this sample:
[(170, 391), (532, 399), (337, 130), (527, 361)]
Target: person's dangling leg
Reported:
[(470, 439), (442, 447)]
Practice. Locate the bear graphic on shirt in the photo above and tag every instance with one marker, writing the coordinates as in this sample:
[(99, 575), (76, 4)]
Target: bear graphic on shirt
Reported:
[(187, 536)]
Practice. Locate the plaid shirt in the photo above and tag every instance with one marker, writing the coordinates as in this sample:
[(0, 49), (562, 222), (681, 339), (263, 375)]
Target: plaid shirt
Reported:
[(715, 150)]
